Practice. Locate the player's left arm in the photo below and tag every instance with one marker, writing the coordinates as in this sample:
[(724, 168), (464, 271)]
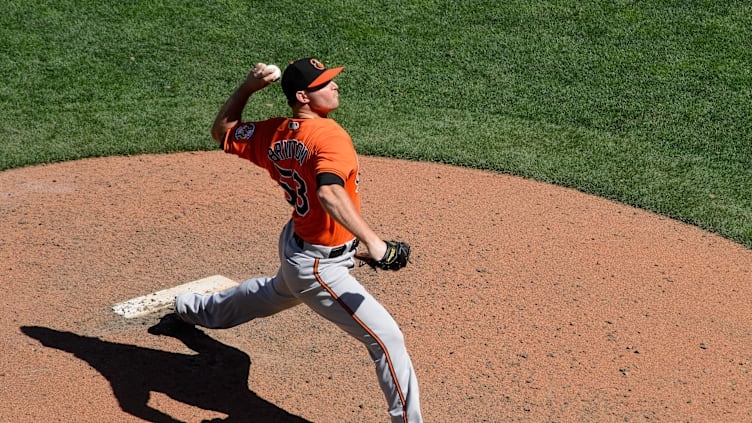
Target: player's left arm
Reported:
[(337, 203), (230, 114)]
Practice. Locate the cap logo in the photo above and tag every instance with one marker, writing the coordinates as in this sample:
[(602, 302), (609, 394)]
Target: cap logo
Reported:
[(316, 64)]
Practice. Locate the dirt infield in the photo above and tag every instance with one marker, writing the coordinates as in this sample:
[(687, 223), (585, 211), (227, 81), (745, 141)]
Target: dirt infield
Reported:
[(524, 301)]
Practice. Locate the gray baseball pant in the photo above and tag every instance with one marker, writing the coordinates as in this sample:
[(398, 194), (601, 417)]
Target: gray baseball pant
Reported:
[(307, 275)]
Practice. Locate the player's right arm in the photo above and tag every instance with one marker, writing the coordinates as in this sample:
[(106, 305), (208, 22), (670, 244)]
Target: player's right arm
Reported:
[(232, 111), (337, 203)]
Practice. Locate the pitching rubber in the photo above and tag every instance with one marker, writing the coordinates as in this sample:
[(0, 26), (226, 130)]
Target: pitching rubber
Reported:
[(161, 300)]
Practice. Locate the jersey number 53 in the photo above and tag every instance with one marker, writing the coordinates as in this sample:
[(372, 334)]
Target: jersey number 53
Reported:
[(295, 189)]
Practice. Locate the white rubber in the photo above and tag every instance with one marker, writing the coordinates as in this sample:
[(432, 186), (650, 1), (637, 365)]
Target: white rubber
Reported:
[(160, 300)]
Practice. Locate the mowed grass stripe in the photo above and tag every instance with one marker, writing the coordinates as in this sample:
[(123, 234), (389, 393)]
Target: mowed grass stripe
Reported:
[(643, 102)]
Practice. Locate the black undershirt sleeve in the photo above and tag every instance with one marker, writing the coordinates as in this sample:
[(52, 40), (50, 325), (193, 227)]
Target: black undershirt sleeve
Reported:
[(329, 179)]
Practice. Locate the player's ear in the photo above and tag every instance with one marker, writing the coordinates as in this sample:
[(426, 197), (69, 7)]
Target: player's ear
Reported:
[(302, 97)]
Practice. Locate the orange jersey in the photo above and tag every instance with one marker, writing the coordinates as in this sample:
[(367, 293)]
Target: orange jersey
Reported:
[(294, 152)]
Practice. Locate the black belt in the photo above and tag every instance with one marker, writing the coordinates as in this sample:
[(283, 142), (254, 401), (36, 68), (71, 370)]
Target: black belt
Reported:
[(335, 252)]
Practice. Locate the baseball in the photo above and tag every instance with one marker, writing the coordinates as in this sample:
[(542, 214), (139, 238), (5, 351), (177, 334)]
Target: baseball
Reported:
[(276, 74)]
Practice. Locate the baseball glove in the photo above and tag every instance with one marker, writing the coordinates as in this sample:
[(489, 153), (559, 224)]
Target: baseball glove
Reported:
[(396, 257)]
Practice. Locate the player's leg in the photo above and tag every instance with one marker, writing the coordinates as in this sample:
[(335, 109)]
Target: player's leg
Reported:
[(344, 301), (258, 297)]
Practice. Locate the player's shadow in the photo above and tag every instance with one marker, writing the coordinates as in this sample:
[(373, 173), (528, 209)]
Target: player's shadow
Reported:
[(214, 379)]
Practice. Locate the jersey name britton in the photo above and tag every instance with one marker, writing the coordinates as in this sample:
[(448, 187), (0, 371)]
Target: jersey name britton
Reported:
[(288, 149)]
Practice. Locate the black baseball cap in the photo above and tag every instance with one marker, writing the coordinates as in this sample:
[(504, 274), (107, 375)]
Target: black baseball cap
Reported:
[(306, 74)]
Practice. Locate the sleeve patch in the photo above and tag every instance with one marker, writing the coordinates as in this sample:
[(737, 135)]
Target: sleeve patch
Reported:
[(245, 132)]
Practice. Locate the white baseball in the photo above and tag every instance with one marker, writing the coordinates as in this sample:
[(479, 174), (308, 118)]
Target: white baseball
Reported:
[(276, 74)]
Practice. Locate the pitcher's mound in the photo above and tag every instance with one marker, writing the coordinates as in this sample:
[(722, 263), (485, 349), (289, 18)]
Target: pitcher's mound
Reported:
[(523, 301)]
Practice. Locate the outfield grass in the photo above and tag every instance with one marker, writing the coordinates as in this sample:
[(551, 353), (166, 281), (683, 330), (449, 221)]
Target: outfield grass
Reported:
[(644, 102)]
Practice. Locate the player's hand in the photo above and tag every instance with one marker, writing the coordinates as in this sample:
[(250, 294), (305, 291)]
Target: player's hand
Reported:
[(259, 77), (395, 257), (377, 249)]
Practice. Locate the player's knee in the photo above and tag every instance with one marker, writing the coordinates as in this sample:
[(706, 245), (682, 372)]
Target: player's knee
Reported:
[(393, 339), (388, 343)]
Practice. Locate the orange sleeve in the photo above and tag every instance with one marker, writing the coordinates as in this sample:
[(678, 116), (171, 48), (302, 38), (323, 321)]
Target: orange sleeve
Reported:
[(336, 155), (242, 140)]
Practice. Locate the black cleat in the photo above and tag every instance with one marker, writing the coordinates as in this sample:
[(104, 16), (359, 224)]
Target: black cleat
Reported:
[(169, 324)]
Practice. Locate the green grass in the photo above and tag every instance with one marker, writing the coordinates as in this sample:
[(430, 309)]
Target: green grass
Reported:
[(648, 103)]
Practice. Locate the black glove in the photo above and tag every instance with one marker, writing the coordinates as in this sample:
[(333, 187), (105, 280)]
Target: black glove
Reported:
[(396, 257)]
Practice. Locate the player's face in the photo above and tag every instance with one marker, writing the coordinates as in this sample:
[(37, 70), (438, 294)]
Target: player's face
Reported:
[(326, 99)]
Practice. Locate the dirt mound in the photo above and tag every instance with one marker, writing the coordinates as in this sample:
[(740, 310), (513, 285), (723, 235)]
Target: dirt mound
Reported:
[(524, 301)]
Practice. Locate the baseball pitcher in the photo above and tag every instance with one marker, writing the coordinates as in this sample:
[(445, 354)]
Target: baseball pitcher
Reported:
[(314, 162)]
